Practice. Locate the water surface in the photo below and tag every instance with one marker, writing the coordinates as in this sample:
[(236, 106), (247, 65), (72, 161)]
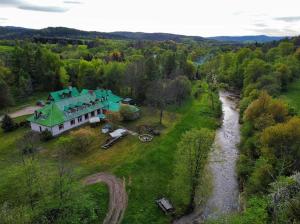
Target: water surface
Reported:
[(225, 193), (224, 197)]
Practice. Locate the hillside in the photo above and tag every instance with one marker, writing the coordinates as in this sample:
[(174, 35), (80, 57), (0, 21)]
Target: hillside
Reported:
[(247, 39), (10, 32), (63, 32)]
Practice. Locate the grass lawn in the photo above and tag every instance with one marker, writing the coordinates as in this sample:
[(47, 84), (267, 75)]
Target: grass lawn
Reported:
[(146, 167), (6, 49), (99, 193), (292, 96)]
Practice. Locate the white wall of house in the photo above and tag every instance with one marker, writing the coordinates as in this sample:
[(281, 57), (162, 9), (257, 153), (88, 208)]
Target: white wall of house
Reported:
[(66, 126), (38, 128)]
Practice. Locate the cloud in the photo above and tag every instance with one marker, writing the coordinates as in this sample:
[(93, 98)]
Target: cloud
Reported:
[(3, 19), (276, 32), (24, 5), (42, 8), (288, 18), (260, 25), (72, 2), (9, 2)]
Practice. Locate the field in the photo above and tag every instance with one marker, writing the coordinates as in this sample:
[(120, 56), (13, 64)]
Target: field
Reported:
[(146, 167), (292, 96), (6, 49)]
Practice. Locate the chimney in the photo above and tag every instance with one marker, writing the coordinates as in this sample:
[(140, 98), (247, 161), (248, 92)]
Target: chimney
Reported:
[(36, 114)]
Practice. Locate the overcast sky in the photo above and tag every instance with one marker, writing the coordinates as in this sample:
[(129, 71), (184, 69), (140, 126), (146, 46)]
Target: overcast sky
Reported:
[(189, 17)]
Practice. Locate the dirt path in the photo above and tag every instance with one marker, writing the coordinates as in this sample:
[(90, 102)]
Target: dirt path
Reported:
[(117, 196), (24, 111)]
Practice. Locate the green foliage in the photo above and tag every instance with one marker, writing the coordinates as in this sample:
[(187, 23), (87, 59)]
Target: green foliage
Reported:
[(77, 142), (43, 197), (269, 143), (8, 124), (6, 98), (284, 141), (261, 177), (284, 199), (256, 211), (193, 151), (129, 113), (46, 135)]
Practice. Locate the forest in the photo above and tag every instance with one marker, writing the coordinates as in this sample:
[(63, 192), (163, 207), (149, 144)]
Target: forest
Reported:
[(176, 84), (268, 164)]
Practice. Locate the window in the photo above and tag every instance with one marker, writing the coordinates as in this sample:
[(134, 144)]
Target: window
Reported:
[(93, 114), (79, 119), (98, 111), (86, 116), (72, 122), (61, 127)]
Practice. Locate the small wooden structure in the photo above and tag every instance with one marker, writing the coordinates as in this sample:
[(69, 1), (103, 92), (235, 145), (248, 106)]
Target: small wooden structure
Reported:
[(165, 205), (115, 136)]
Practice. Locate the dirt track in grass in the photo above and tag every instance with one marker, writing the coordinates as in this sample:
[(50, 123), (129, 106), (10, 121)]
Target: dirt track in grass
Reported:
[(117, 196)]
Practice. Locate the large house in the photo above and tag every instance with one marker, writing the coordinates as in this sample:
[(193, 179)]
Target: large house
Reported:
[(67, 109)]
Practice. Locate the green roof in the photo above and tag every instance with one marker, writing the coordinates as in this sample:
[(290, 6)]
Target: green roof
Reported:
[(63, 94), (114, 107), (49, 116), (64, 109)]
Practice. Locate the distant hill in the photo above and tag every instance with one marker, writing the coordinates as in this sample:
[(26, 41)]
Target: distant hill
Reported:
[(157, 36), (247, 39), (10, 32)]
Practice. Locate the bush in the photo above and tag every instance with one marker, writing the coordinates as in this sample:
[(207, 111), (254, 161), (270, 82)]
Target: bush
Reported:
[(23, 124), (129, 113), (78, 142), (8, 124), (114, 117), (46, 135)]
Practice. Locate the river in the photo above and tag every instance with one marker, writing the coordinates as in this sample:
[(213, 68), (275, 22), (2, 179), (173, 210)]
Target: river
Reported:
[(224, 197)]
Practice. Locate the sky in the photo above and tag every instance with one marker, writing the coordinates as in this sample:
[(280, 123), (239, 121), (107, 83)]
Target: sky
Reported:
[(189, 17)]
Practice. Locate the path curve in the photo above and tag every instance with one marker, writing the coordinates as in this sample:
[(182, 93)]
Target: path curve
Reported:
[(117, 195)]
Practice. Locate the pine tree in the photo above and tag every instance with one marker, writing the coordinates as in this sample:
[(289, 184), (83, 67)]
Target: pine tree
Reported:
[(7, 124)]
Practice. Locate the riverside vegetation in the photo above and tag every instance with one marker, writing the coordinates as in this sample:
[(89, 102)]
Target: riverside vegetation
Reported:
[(176, 94)]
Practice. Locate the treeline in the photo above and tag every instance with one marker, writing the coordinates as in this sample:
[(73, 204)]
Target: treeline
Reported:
[(270, 146), (127, 68)]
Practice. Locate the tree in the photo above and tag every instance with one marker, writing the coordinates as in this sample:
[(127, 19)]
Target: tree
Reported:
[(6, 98), (255, 69), (24, 85), (193, 150), (7, 124), (266, 111), (286, 48), (134, 79), (284, 141), (151, 69), (158, 96), (169, 64), (179, 89)]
